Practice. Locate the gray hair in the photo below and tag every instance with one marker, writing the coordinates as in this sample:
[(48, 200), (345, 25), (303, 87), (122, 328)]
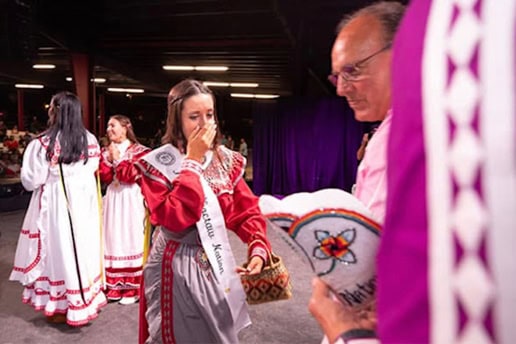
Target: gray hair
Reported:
[(388, 13)]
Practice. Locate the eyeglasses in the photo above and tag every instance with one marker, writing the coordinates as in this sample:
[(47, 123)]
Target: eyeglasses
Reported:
[(351, 72)]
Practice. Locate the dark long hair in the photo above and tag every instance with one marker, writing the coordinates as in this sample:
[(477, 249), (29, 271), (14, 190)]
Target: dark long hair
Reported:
[(176, 97), (126, 123), (66, 120)]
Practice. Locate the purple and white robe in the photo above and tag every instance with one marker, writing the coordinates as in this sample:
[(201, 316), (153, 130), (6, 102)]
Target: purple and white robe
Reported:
[(446, 270)]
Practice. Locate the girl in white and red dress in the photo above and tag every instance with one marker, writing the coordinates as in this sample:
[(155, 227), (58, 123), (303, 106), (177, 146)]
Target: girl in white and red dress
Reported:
[(58, 258), (124, 211), (195, 192)]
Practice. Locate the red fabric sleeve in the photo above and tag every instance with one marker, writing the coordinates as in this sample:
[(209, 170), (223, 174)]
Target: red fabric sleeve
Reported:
[(243, 216), (178, 208), (106, 171), (126, 172)]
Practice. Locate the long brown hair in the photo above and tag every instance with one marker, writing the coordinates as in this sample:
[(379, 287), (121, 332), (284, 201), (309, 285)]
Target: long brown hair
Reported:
[(176, 97), (126, 123)]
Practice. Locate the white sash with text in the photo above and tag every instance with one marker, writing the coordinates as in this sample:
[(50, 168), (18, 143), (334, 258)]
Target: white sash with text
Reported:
[(212, 232)]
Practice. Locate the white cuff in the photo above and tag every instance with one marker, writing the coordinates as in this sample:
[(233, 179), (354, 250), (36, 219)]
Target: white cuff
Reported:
[(192, 165)]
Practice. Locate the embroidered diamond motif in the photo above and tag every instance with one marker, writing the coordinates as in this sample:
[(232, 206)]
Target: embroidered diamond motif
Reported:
[(464, 37), (474, 288), (462, 97), (465, 4), (474, 333), (470, 219), (465, 156)]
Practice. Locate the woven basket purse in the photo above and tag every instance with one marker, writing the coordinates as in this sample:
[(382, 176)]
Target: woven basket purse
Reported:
[(272, 284)]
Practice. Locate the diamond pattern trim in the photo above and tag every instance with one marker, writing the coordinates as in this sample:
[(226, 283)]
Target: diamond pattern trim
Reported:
[(466, 156), (474, 333), (464, 38), (474, 288), (463, 97), (470, 220)]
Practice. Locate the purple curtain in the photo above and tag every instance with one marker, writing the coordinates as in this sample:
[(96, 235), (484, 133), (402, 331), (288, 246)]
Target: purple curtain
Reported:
[(304, 145)]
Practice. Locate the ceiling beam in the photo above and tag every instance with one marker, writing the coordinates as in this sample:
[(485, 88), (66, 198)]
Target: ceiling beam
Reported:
[(142, 43)]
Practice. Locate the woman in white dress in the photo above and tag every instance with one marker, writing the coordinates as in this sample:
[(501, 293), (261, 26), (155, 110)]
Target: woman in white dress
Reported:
[(124, 211), (58, 258)]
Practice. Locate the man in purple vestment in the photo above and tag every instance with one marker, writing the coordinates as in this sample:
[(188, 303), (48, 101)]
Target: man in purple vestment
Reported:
[(446, 271)]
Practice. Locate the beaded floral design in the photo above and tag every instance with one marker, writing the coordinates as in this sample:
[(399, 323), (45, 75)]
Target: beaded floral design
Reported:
[(337, 248)]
